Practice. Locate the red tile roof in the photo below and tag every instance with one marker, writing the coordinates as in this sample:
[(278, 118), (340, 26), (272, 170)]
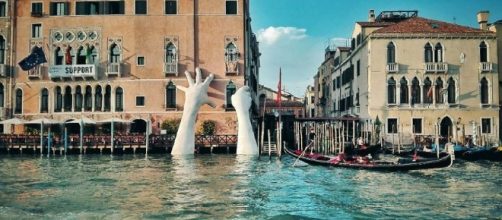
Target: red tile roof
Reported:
[(374, 24), (419, 25)]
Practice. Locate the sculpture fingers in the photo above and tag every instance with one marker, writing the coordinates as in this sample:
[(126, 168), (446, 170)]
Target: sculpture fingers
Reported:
[(189, 78), (208, 80), (182, 88), (198, 75)]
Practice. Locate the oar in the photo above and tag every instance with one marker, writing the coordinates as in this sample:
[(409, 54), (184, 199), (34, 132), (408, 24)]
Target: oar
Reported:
[(303, 153)]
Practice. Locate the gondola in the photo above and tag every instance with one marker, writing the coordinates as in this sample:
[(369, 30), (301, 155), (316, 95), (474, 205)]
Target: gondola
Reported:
[(403, 164)]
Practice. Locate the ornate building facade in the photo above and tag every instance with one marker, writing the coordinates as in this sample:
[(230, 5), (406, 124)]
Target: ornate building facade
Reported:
[(125, 58)]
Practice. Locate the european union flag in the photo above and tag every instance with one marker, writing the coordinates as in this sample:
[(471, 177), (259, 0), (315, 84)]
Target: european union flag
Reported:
[(36, 57)]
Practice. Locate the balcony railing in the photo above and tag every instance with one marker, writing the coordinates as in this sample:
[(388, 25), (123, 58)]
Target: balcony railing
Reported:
[(3, 69), (441, 67), (485, 67), (114, 69), (392, 68), (171, 69), (35, 72), (430, 67), (436, 67)]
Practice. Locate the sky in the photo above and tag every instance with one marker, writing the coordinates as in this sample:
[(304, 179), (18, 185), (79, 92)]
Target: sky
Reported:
[(294, 33)]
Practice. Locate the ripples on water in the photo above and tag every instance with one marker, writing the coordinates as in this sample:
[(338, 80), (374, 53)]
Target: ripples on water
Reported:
[(229, 186)]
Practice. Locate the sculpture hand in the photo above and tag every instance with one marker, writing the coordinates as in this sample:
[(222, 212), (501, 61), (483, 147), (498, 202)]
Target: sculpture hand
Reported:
[(246, 144), (241, 100), (196, 93)]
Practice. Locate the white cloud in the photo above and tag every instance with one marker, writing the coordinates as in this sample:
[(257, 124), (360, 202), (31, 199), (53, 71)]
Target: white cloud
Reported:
[(272, 34)]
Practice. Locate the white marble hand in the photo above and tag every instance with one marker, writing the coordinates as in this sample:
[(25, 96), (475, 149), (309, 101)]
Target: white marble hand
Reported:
[(246, 143), (195, 97)]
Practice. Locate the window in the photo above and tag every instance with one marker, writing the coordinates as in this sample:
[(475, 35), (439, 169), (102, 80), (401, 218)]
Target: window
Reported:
[(171, 7), (88, 98), (427, 92), (486, 125), (358, 67), (415, 91), (451, 91), (140, 101), (58, 56), (114, 54), (98, 99), (483, 52), (392, 126), (484, 91), (78, 99), (417, 125), (59, 8), (81, 56), (391, 91), (36, 9), (91, 55), (312, 99), (36, 30), (2, 50), (231, 7), (428, 53), (439, 91), (140, 7), (3, 9), (19, 102), (69, 55), (391, 53), (140, 61), (108, 95), (171, 95), (58, 105), (438, 53), (99, 8), (44, 101), (67, 99), (119, 99), (404, 91), (231, 53), (229, 92), (2, 96)]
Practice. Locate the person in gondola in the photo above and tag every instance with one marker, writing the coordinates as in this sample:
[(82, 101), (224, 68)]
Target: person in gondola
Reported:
[(312, 135)]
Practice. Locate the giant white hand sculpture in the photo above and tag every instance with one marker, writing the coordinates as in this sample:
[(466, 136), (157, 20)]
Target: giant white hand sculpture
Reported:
[(195, 97), (246, 144)]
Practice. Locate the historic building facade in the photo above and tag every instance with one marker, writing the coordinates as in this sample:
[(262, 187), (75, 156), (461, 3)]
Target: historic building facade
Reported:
[(125, 58), (5, 58), (414, 73), (309, 102)]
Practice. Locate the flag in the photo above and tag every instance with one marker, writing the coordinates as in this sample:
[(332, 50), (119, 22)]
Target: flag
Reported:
[(429, 93), (68, 56), (88, 54), (36, 57), (279, 90)]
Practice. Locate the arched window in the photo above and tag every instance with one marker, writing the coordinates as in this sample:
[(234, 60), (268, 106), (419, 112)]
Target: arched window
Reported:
[(404, 91), (81, 55), (171, 53), (415, 91), (484, 91), (108, 95), (19, 102), (92, 55), (428, 53), (391, 53), (58, 56), (231, 53), (44, 101), (2, 50), (438, 53), (391, 91), (78, 99), (439, 91), (69, 56), (171, 95), (88, 99), (67, 99), (58, 105), (114, 54), (451, 91), (230, 90), (2, 95), (427, 91), (98, 98), (483, 52), (119, 99)]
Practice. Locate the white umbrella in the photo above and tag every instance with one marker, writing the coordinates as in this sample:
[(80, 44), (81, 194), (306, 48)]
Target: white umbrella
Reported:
[(43, 121), (112, 121), (84, 120), (14, 121)]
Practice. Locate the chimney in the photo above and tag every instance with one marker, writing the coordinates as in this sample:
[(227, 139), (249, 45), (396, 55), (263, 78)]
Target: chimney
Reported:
[(371, 16), (483, 19)]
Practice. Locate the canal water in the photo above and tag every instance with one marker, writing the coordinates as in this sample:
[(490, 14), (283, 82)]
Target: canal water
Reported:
[(234, 187)]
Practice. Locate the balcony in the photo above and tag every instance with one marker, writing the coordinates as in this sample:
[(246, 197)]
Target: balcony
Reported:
[(37, 14), (485, 67), (3, 69), (73, 71), (441, 67), (430, 67), (436, 67), (171, 69), (232, 68), (392, 68), (114, 69), (36, 72)]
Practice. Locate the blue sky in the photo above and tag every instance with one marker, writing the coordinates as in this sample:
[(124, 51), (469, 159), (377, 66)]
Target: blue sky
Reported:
[(294, 33)]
